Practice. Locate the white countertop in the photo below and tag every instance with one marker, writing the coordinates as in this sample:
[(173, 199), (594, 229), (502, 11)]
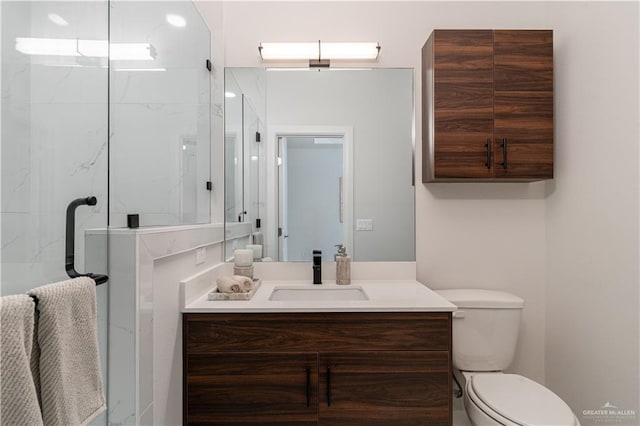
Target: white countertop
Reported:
[(384, 296)]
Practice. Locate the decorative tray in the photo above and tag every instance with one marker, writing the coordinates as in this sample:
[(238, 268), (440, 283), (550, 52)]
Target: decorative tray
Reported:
[(215, 295)]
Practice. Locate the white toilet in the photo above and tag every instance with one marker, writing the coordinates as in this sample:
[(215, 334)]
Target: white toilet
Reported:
[(485, 333)]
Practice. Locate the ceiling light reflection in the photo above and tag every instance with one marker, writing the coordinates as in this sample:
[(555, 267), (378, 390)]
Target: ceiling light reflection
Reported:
[(88, 48), (176, 20), (58, 20)]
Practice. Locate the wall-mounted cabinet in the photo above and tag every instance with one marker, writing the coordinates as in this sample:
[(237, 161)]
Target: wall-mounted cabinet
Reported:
[(487, 105)]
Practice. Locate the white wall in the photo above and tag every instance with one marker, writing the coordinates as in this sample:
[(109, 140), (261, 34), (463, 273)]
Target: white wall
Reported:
[(592, 210), (495, 235)]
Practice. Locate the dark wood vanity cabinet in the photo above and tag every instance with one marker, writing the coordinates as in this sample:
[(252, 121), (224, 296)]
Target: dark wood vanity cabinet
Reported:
[(487, 105), (251, 388), (384, 388), (317, 368)]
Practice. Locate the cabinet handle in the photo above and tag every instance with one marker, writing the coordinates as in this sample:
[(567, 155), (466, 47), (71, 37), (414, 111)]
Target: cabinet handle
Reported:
[(504, 153), (308, 387), (328, 386), (488, 145)]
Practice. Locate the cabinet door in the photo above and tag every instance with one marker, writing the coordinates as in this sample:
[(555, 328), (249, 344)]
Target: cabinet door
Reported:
[(463, 103), (251, 388), (523, 104), (384, 388)]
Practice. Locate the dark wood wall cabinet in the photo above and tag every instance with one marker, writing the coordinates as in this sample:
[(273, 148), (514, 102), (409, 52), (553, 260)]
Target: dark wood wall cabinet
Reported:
[(487, 105), (317, 369)]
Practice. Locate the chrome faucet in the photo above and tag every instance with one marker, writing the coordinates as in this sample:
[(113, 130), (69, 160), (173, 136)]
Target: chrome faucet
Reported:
[(317, 267)]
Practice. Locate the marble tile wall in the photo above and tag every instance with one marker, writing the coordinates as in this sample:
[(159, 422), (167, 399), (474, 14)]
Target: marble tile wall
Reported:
[(144, 316)]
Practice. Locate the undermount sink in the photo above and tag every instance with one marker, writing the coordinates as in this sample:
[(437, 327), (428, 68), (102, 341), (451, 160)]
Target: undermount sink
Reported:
[(318, 292)]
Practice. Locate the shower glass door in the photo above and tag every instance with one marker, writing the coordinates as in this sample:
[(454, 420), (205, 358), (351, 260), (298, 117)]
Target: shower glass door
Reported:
[(54, 77), (54, 134)]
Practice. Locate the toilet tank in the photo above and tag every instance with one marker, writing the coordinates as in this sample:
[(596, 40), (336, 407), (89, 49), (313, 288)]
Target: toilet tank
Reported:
[(485, 328)]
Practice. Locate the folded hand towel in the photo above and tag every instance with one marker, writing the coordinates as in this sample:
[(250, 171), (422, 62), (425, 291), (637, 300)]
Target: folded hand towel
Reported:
[(70, 375), (19, 404), (246, 283), (228, 285)]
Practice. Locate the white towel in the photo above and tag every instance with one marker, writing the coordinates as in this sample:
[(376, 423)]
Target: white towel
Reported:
[(19, 404), (71, 390), (228, 285), (246, 283)]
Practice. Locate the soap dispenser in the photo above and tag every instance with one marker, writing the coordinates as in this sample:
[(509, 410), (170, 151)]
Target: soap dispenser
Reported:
[(343, 266)]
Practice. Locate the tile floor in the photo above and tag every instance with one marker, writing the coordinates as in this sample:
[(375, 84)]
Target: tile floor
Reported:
[(459, 414), (460, 418)]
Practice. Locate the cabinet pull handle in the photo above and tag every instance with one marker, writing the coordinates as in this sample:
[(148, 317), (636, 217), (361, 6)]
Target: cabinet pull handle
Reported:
[(488, 146), (328, 386), (308, 387), (504, 153)]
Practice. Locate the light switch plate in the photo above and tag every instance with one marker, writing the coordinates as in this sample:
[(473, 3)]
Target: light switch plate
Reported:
[(201, 255), (364, 224)]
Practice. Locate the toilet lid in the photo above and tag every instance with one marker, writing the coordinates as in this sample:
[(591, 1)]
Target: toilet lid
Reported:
[(521, 400)]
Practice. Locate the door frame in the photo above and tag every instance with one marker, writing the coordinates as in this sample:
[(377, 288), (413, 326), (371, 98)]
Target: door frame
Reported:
[(272, 222)]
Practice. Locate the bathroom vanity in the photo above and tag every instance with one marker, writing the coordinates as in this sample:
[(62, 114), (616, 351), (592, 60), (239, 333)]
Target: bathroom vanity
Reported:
[(380, 361)]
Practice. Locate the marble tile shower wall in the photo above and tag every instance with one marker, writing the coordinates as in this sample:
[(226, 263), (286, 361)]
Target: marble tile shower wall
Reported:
[(54, 133), (160, 117)]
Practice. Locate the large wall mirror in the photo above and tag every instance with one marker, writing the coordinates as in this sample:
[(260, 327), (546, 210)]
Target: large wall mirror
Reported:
[(314, 159)]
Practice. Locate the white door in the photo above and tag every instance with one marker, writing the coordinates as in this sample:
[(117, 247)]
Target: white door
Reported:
[(311, 173)]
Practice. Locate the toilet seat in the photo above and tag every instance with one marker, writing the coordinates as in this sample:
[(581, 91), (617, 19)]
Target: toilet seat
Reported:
[(511, 399)]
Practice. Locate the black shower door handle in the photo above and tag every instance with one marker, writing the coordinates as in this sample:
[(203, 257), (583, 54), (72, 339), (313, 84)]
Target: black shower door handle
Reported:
[(70, 240)]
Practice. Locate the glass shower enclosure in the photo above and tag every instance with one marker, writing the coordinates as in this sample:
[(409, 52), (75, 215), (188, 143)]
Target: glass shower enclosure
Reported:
[(109, 99)]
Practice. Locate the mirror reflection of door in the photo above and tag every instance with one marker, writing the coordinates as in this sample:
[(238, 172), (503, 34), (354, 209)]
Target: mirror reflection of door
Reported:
[(311, 196)]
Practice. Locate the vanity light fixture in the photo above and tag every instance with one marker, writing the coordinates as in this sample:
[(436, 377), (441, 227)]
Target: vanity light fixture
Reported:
[(319, 54), (229, 95)]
